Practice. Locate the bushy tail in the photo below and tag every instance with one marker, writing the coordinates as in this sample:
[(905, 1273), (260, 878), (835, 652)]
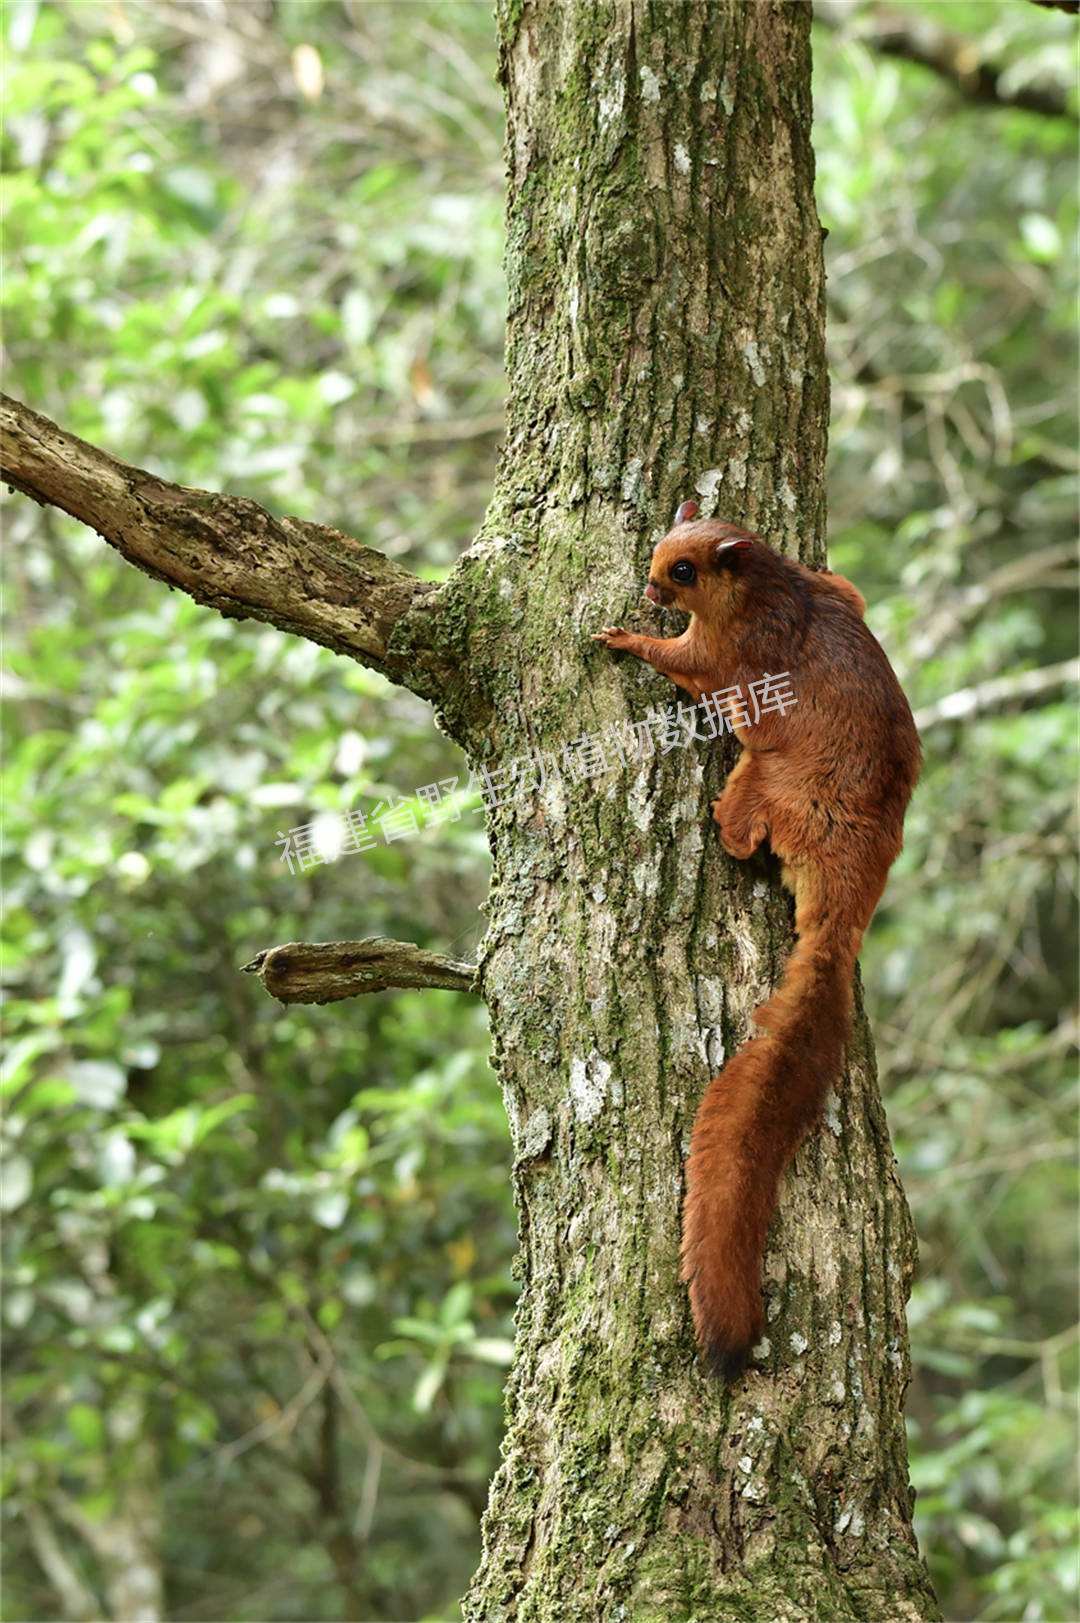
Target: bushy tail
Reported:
[(749, 1124)]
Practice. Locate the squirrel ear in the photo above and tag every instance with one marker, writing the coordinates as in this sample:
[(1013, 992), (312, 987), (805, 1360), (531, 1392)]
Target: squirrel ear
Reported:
[(725, 551), (686, 511)]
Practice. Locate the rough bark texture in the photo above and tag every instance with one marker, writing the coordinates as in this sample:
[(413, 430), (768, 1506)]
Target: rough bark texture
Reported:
[(327, 971), (665, 337)]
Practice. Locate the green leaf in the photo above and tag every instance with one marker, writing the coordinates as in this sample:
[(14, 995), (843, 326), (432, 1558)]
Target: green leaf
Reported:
[(330, 1313), (429, 1386), (86, 1425), (16, 1182), (1040, 237)]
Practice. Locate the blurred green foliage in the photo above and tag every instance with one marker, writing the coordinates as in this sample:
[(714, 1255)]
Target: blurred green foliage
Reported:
[(952, 298), (258, 1281)]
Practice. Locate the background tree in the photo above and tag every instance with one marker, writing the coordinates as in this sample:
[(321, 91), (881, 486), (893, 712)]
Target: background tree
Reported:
[(952, 297)]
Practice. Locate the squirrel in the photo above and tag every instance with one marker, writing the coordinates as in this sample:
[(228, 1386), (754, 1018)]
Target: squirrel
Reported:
[(826, 781)]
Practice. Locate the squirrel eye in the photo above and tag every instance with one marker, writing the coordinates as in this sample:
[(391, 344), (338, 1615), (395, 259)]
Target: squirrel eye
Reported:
[(683, 573)]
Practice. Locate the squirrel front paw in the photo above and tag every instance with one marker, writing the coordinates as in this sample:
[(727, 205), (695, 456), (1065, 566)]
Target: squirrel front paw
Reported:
[(613, 637)]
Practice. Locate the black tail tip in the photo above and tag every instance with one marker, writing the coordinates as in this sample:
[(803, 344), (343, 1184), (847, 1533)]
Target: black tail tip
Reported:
[(726, 1359)]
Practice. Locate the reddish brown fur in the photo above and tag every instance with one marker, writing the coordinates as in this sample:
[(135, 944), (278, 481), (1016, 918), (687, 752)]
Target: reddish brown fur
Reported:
[(827, 784)]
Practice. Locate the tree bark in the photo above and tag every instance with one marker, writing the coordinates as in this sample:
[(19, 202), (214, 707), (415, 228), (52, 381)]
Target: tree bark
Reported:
[(125, 1541), (327, 971), (665, 338)]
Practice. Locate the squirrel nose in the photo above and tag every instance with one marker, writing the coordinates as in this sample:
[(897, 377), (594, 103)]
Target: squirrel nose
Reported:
[(651, 593)]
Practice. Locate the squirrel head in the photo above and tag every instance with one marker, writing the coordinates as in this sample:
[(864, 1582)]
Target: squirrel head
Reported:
[(703, 567)]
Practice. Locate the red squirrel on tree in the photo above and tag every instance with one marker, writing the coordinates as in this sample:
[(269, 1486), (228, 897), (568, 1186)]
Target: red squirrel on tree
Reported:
[(827, 784)]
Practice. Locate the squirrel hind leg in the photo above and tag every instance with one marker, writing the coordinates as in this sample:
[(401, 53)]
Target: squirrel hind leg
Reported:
[(740, 834), (742, 811)]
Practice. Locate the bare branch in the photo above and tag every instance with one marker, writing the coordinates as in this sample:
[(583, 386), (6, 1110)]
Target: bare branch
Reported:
[(327, 971), (1000, 690), (283, 1420), (958, 60), (327, 1357), (437, 432), (230, 553)]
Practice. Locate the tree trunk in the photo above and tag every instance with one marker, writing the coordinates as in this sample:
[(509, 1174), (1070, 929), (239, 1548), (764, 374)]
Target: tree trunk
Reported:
[(125, 1538), (665, 336)]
